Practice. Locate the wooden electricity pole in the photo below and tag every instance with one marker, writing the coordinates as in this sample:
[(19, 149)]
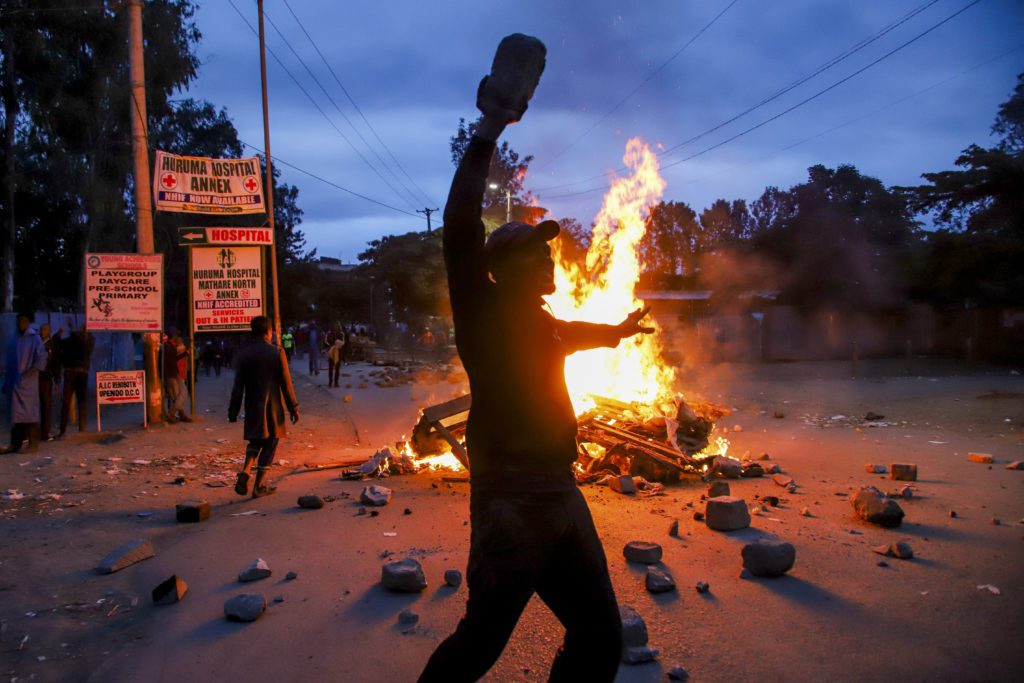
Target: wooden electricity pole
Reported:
[(143, 199), (427, 211), (268, 187)]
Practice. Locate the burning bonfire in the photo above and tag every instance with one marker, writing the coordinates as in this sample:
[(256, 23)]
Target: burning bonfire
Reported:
[(633, 419)]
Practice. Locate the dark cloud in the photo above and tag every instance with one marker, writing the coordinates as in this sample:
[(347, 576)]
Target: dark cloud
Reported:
[(413, 69)]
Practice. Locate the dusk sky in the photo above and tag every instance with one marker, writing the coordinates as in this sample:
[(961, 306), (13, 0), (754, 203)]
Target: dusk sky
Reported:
[(683, 68)]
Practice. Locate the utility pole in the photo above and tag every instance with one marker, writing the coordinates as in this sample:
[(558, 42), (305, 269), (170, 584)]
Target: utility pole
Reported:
[(143, 199), (427, 212), (268, 187)]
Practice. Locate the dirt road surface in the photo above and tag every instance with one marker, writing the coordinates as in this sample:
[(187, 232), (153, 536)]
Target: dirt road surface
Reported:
[(836, 616)]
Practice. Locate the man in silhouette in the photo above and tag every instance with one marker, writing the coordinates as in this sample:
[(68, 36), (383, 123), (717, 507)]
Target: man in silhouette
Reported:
[(263, 378), (531, 529)]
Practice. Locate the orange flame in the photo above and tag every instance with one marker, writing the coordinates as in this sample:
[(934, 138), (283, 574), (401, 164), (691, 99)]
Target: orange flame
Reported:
[(604, 291)]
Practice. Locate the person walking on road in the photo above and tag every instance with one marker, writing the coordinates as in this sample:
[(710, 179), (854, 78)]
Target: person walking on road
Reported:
[(531, 530), (313, 341), (263, 379), (334, 346), (26, 358), (288, 344)]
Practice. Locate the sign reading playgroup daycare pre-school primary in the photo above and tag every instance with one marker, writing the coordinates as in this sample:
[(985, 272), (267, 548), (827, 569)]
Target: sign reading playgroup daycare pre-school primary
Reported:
[(204, 185), (227, 288), (124, 292)]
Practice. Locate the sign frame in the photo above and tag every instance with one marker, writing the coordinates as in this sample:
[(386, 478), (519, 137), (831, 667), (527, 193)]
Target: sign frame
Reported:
[(142, 323), (136, 377), (250, 251), (202, 185), (225, 236)]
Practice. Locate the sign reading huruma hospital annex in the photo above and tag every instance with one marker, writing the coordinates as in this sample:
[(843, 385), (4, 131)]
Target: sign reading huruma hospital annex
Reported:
[(204, 185), (227, 288)]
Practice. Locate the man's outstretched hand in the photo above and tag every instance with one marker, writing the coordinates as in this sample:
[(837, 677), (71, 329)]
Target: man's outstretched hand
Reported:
[(294, 415), (631, 325)]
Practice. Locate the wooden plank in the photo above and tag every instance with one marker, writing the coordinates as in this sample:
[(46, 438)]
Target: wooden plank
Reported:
[(457, 449), (450, 408)]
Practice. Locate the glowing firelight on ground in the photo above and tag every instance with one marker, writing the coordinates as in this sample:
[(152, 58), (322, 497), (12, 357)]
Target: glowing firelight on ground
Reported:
[(603, 291)]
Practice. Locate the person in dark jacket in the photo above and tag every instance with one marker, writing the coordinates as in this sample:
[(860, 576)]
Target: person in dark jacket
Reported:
[(531, 530), (262, 376), (76, 358)]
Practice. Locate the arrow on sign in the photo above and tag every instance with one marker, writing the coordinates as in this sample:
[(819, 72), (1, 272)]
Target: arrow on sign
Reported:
[(192, 236)]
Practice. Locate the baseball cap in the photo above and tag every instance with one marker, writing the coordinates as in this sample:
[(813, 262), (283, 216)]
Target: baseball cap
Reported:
[(513, 236)]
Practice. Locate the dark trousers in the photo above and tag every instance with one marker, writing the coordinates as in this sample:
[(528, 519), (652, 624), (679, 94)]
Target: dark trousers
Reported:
[(526, 543), (262, 451), (333, 372), (21, 431), (75, 384), (314, 362), (45, 404)]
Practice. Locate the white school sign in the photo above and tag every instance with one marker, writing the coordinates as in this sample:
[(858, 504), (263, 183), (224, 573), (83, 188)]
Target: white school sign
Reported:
[(120, 387), (124, 292), (204, 185)]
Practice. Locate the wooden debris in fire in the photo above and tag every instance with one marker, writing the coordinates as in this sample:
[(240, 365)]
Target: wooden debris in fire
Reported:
[(658, 448), (614, 438)]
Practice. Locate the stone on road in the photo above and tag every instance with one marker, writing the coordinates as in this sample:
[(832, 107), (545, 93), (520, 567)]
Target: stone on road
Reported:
[(768, 558), (126, 555), (245, 607), (727, 513), (403, 576)]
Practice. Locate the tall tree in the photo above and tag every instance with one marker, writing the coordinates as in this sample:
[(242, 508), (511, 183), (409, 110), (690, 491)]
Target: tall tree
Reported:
[(507, 171), (69, 67), (843, 237), (977, 253), (671, 242)]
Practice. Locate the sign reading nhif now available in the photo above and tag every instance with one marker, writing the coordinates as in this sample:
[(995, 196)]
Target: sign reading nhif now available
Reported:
[(227, 288), (120, 387), (204, 185)]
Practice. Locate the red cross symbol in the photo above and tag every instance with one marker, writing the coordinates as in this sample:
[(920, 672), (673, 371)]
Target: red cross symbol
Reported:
[(209, 295), (250, 184), (168, 180), (244, 292)]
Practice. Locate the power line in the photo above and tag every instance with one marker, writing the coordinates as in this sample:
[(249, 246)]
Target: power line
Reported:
[(871, 113), (356, 106), (320, 109), (798, 104), (279, 160), (638, 87), (825, 67), (779, 93), (330, 99)]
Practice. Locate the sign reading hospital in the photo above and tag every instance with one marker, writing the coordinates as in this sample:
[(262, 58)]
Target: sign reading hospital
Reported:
[(188, 237), (204, 185), (227, 288), (120, 387), (124, 292)]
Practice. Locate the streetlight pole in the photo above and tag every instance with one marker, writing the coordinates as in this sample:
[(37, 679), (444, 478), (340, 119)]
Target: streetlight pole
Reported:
[(508, 201)]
